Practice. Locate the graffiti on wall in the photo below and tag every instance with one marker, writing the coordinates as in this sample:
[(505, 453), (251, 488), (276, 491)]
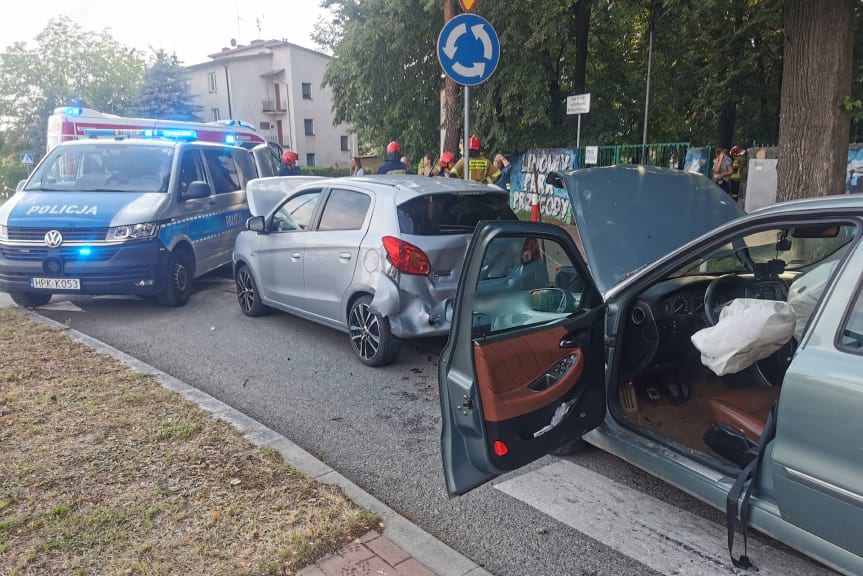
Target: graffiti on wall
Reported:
[(528, 176)]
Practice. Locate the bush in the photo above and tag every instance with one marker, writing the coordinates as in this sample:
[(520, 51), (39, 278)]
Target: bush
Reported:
[(327, 171)]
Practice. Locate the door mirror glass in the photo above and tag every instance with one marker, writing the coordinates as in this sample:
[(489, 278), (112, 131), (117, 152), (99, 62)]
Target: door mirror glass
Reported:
[(255, 224), (196, 189), (553, 300)]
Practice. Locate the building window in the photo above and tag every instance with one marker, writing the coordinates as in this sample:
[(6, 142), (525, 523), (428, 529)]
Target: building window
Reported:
[(310, 126), (215, 113), (265, 126), (310, 159), (345, 143), (211, 80), (307, 91)]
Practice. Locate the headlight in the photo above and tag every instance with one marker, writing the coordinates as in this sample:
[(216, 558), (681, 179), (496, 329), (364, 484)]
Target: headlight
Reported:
[(4, 232), (132, 232)]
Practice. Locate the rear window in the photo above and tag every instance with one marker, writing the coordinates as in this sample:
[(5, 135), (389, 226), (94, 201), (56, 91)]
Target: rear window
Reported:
[(437, 214)]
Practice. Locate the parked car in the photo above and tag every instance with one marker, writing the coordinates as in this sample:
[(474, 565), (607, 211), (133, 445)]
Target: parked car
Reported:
[(596, 345), (377, 257), (126, 215)]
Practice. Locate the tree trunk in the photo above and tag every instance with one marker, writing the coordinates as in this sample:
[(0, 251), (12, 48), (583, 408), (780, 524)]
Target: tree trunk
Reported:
[(450, 123), (816, 78)]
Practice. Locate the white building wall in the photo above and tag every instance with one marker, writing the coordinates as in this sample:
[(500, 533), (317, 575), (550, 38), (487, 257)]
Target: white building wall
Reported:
[(254, 72)]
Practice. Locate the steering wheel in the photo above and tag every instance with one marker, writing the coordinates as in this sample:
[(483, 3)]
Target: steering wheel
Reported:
[(730, 284)]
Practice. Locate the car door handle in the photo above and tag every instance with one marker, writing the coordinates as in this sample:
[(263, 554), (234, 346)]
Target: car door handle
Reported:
[(345, 256), (295, 256)]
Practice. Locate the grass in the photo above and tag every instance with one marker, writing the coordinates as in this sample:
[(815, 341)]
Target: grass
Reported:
[(102, 471)]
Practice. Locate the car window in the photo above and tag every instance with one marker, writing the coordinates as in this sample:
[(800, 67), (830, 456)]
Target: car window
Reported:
[(345, 210), (525, 282), (296, 213), (191, 169), (223, 169), (852, 333), (245, 166), (437, 214)]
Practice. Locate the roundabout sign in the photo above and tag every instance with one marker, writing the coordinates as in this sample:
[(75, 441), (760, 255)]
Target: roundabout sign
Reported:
[(468, 49)]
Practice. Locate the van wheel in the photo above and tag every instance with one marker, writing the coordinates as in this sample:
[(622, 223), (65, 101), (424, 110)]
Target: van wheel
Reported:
[(30, 299), (181, 273), (370, 334), (247, 293)]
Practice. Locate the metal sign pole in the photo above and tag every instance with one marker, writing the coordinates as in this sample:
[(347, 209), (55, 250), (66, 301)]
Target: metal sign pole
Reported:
[(578, 133), (466, 153)]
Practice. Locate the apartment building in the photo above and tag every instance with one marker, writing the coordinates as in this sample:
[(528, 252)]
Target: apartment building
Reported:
[(276, 87)]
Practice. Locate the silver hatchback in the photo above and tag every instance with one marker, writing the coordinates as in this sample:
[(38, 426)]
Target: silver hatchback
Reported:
[(378, 257)]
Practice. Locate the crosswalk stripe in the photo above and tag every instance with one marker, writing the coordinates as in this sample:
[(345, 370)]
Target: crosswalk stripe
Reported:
[(665, 538)]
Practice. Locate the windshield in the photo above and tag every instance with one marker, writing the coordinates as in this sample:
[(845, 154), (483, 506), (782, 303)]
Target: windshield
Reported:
[(101, 167), (796, 249)]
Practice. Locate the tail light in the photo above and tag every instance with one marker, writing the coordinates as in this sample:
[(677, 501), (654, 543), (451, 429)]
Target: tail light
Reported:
[(407, 258)]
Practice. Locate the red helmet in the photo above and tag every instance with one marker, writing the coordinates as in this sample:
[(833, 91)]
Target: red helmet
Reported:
[(473, 143), (393, 147), (289, 157), (446, 159), (735, 150)]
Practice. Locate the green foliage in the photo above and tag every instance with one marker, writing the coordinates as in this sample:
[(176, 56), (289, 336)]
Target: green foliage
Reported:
[(164, 93), (326, 171), (66, 66)]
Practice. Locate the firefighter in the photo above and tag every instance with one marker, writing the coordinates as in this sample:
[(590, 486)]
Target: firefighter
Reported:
[(393, 163), (481, 169), (289, 164)]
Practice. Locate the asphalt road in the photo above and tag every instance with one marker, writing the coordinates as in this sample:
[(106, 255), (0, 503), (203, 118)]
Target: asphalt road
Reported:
[(378, 427)]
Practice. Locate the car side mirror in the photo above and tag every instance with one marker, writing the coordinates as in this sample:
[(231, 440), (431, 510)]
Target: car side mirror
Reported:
[(20, 185), (255, 224), (551, 300), (196, 189)]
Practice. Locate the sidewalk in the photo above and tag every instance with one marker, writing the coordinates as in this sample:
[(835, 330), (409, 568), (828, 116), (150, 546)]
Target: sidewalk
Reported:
[(403, 549)]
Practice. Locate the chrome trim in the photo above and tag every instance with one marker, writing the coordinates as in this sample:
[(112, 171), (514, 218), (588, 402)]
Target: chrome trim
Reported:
[(821, 484)]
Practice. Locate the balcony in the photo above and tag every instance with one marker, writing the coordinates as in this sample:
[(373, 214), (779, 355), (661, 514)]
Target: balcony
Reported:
[(272, 107)]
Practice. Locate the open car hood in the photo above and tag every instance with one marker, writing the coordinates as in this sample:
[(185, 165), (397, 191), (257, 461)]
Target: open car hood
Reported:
[(630, 215), (264, 193)]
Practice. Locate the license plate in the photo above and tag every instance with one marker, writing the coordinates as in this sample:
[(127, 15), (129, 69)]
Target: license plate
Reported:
[(56, 283)]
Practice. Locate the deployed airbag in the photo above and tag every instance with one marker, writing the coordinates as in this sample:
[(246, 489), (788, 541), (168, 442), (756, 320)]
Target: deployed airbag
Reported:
[(748, 330), (804, 293)]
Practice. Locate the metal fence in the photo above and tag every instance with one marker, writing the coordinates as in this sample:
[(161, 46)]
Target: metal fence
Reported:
[(667, 154)]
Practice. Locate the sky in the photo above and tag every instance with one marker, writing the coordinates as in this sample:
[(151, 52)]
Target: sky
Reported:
[(191, 28)]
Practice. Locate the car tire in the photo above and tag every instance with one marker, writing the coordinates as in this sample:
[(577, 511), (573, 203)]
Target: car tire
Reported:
[(248, 294), (30, 299), (370, 334), (181, 274)]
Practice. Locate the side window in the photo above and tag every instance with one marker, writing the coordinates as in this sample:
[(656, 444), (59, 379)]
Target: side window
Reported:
[(223, 169), (191, 169), (525, 282), (851, 336), (296, 213), (345, 210), (245, 166)]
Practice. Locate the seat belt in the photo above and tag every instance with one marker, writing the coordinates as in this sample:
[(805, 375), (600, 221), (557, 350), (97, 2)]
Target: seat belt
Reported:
[(750, 472)]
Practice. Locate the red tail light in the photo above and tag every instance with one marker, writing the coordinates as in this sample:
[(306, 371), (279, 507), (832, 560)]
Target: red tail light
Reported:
[(406, 257)]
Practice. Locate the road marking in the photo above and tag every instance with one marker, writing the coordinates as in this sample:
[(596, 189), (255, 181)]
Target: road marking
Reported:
[(665, 538)]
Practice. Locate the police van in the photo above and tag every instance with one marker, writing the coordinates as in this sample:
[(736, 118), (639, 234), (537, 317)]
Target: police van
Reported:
[(141, 216)]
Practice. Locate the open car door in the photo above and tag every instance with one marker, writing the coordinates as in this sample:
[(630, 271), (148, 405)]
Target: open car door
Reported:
[(523, 371)]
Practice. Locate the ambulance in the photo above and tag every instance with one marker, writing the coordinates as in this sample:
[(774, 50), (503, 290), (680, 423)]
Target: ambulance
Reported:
[(143, 214)]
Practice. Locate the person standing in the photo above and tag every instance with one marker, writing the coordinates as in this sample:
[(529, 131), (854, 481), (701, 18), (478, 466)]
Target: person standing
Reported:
[(289, 164), (478, 166), (445, 163), (504, 166), (722, 170), (392, 161), (738, 166), (427, 168), (357, 167)]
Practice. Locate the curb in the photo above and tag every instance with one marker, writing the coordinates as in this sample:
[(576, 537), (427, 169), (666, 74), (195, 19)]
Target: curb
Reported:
[(419, 544)]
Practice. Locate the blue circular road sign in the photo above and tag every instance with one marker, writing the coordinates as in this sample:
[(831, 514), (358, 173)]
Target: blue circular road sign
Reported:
[(468, 49)]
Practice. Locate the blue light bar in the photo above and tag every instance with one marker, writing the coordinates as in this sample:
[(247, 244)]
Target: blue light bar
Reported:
[(230, 139), (96, 132), (72, 111), (84, 251), (187, 134)]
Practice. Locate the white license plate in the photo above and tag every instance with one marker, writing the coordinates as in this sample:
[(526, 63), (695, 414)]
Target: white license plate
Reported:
[(56, 283)]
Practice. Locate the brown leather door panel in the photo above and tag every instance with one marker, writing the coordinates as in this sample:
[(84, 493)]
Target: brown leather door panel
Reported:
[(506, 369)]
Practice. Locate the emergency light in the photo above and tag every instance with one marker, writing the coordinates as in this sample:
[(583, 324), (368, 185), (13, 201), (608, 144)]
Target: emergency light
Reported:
[(74, 111)]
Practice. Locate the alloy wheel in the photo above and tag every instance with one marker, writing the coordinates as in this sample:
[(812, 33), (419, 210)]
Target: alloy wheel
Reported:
[(365, 331)]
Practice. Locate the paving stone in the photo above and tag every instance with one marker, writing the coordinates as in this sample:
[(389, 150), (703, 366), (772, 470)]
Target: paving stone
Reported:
[(411, 567), (333, 565), (374, 566), (311, 571), (391, 553), (355, 553), (370, 535)]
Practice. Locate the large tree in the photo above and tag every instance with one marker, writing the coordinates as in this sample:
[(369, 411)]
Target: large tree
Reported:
[(66, 66), (814, 123), (164, 93)]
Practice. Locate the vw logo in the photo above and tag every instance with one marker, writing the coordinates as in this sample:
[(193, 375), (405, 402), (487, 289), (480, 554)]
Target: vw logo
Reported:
[(53, 238)]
